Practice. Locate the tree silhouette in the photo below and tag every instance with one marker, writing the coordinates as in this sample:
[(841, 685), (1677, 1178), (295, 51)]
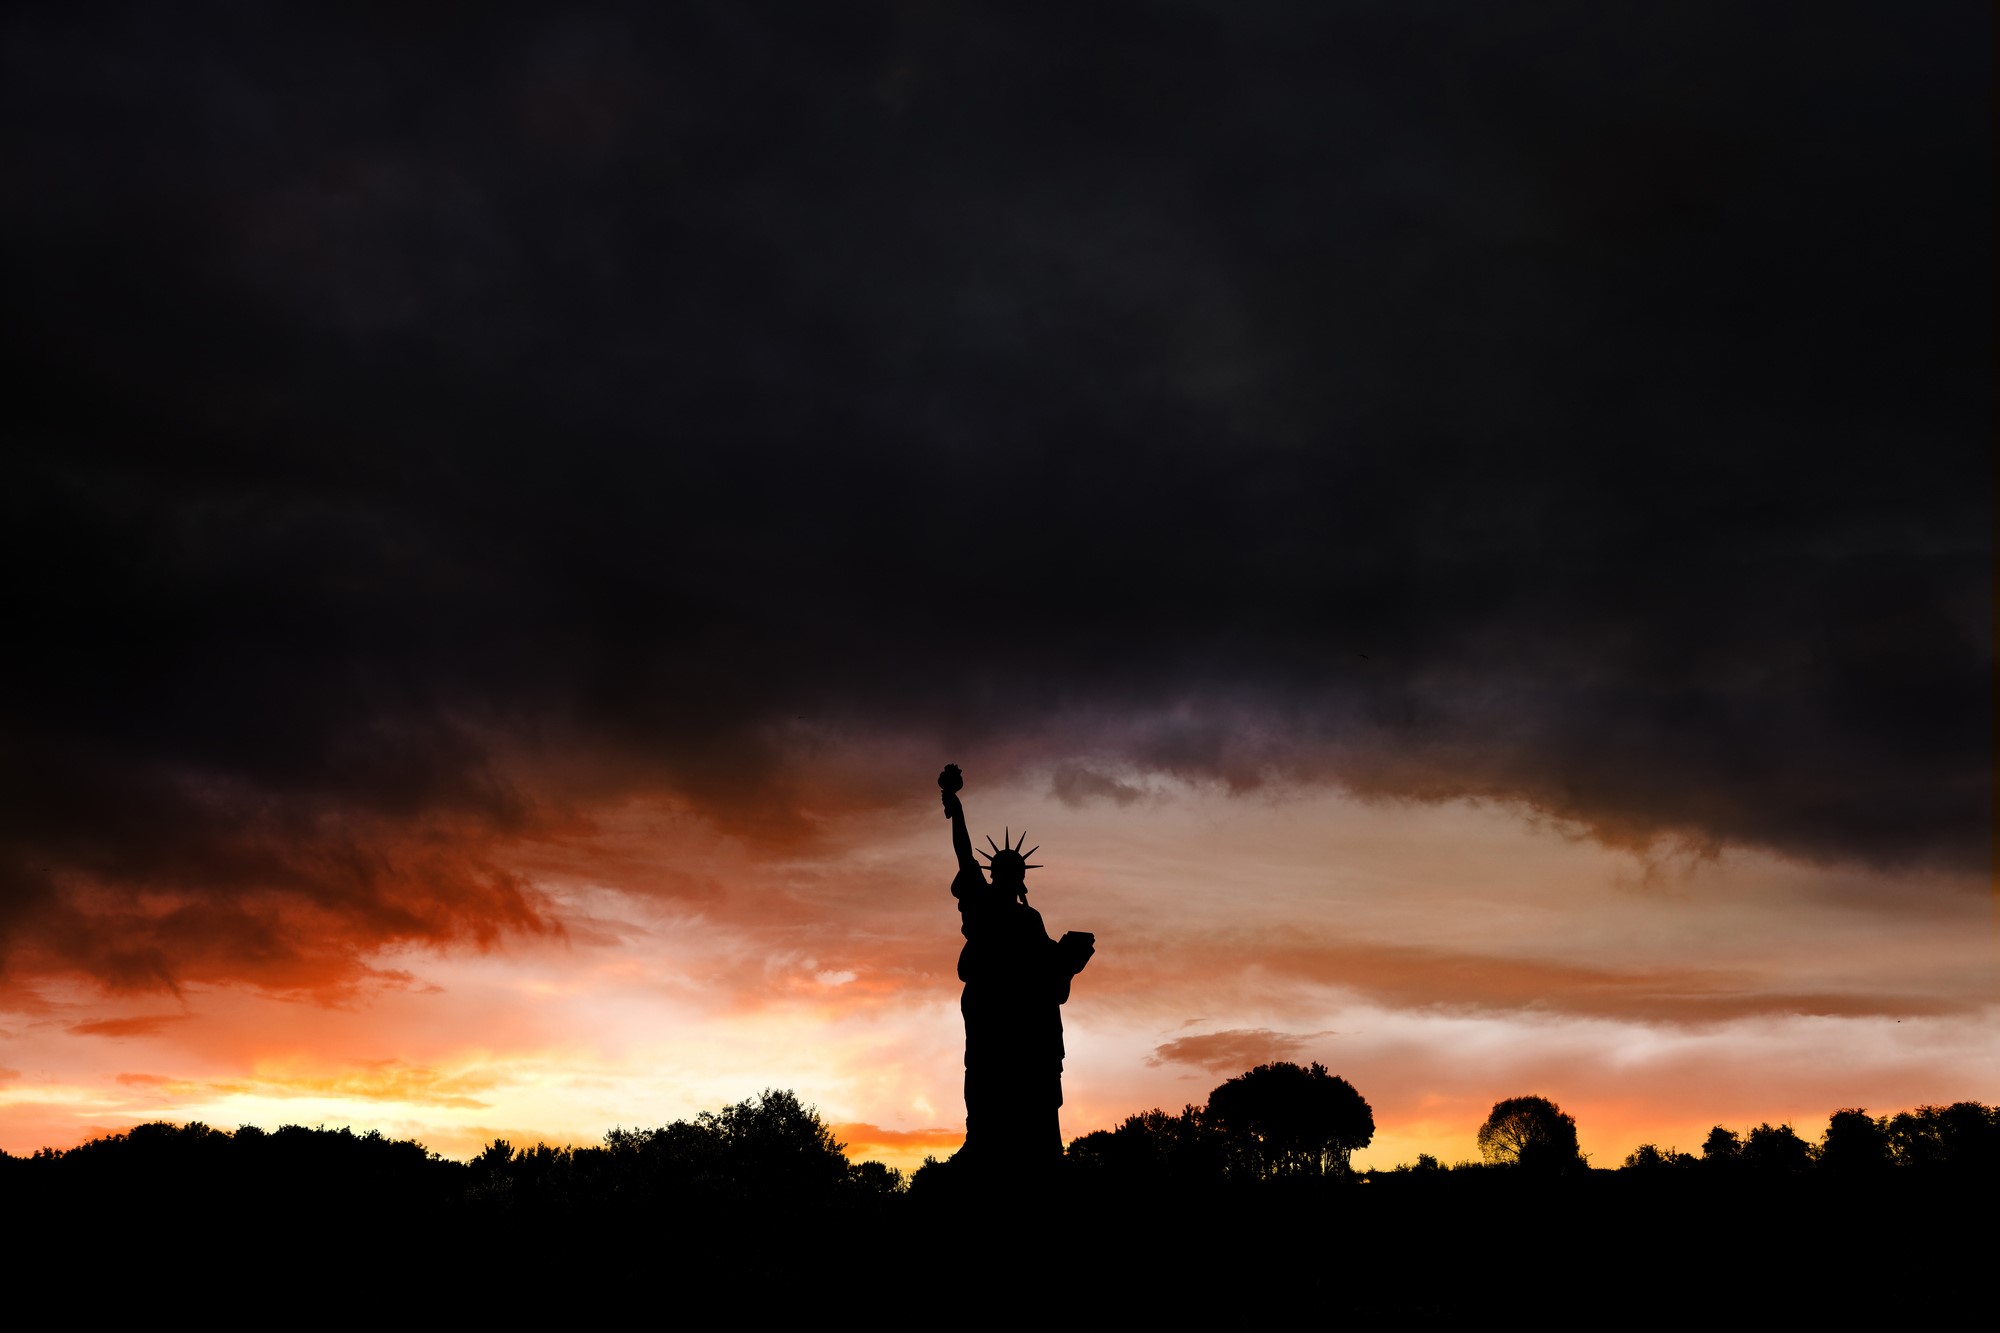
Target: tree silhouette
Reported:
[(1776, 1150), (1964, 1136), (1530, 1132), (1651, 1157), (874, 1178), (1155, 1148), (1425, 1165), (1280, 1119), (1722, 1147), (1855, 1142), (772, 1145), (767, 1149)]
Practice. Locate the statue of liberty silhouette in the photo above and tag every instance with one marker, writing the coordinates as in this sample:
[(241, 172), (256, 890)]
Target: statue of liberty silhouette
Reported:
[(1016, 981)]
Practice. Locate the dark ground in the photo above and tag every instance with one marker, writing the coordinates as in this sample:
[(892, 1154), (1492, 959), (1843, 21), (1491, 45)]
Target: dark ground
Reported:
[(1601, 1247)]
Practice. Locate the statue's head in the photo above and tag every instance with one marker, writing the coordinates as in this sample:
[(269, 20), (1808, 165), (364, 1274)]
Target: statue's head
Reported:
[(1007, 864)]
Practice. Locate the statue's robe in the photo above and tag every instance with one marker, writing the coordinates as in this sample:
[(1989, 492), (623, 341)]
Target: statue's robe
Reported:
[(1016, 982)]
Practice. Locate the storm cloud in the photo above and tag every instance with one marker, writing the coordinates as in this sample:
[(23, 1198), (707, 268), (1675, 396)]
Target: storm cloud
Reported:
[(425, 428)]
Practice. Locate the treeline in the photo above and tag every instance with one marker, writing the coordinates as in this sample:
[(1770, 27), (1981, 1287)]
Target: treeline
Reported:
[(1276, 1123), (768, 1150), (1167, 1216), (1962, 1138), (1282, 1121)]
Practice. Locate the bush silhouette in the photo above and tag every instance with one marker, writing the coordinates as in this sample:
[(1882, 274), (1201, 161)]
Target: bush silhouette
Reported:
[(1650, 1157)]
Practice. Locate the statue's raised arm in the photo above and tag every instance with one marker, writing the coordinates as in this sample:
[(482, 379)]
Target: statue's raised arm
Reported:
[(949, 784)]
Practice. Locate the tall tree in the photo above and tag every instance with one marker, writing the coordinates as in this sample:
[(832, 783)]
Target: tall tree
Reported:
[(1855, 1141), (1964, 1136), (1776, 1149), (1722, 1146), (1531, 1132), (1281, 1119)]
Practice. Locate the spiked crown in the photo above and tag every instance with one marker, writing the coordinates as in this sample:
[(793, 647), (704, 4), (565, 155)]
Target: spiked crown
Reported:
[(1009, 854)]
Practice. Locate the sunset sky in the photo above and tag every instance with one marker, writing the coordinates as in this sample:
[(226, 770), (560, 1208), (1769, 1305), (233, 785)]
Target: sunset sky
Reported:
[(1464, 533)]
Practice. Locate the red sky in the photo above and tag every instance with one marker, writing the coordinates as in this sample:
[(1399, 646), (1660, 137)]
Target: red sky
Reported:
[(1440, 957)]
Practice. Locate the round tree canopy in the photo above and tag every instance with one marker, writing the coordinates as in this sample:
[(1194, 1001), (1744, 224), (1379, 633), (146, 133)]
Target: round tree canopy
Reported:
[(1287, 1120)]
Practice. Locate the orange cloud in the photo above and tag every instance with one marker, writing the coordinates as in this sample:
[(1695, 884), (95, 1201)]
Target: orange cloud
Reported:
[(386, 1081), (1418, 977), (862, 1138), (1233, 1051), (904, 1149), (150, 1025), (203, 885)]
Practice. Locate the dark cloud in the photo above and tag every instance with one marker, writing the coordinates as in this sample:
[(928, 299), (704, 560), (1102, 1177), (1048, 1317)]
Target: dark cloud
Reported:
[(1076, 784), (428, 427)]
